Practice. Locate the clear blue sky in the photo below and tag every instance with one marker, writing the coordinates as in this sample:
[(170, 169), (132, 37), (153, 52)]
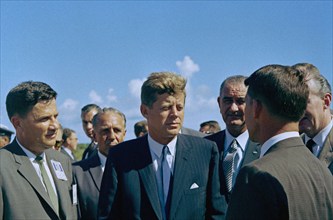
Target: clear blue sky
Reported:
[(101, 51)]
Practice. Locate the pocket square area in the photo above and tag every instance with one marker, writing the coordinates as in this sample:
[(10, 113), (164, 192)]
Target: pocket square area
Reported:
[(194, 186)]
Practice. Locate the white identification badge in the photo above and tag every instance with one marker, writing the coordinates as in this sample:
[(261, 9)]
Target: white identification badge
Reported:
[(74, 192), (59, 171)]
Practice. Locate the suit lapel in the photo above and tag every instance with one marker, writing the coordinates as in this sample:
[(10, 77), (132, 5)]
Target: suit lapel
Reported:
[(326, 153), (95, 171), (147, 175), (61, 185), (180, 173), (25, 168), (252, 152)]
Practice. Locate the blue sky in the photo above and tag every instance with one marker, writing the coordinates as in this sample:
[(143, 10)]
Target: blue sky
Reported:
[(101, 51)]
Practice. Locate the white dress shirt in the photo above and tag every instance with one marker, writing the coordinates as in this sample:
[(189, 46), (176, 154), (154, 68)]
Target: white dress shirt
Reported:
[(32, 158), (242, 140), (320, 138), (277, 138)]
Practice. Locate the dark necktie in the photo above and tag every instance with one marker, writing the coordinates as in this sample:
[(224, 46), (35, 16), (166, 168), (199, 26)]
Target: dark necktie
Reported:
[(228, 164), (47, 184), (310, 144)]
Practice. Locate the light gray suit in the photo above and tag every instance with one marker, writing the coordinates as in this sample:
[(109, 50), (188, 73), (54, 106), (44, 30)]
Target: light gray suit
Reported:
[(22, 194)]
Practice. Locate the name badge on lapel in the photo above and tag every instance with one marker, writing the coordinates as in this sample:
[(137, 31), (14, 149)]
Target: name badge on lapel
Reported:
[(59, 171)]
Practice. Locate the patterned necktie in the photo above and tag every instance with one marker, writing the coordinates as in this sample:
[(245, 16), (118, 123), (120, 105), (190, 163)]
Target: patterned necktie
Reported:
[(47, 184), (310, 144), (228, 164)]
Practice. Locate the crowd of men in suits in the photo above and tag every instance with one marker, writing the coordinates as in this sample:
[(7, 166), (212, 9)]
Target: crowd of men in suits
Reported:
[(274, 159)]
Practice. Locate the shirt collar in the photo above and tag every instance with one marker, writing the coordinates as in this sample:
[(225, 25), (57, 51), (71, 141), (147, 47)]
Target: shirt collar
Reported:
[(29, 154), (241, 140), (156, 147), (320, 138), (273, 140)]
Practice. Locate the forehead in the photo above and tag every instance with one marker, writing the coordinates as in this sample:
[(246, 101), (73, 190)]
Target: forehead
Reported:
[(44, 107), (167, 98), (89, 115), (109, 118), (234, 89)]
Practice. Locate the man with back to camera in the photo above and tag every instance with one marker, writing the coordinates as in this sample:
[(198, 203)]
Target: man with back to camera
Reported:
[(87, 114), (317, 123), (35, 180), (109, 130), (287, 181), (162, 175), (232, 105)]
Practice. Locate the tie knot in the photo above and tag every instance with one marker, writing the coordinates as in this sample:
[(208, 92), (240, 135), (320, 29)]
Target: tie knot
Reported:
[(39, 159), (165, 150), (233, 146), (310, 144)]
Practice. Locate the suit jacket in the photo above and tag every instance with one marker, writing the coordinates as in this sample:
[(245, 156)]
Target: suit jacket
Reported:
[(88, 175), (129, 188), (287, 183), (326, 153), (191, 132), (252, 152), (22, 194), (62, 150), (90, 150)]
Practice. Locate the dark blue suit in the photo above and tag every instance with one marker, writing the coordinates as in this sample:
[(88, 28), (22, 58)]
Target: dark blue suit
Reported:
[(129, 188)]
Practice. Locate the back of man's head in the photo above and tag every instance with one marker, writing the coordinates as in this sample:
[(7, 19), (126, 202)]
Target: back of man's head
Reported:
[(282, 89)]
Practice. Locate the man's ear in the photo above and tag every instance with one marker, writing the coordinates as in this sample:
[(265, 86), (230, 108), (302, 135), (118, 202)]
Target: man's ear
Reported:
[(327, 100), (144, 110), (257, 107), (15, 120), (218, 101)]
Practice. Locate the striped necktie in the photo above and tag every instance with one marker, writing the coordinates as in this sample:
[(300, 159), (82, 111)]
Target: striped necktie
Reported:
[(228, 164)]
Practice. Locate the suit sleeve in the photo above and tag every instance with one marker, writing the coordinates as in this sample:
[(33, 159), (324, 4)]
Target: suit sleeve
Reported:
[(216, 202), (257, 195), (107, 204)]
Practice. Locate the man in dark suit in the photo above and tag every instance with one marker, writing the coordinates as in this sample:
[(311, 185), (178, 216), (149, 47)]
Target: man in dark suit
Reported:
[(164, 174), (231, 102), (109, 130), (87, 114), (35, 180), (317, 123), (287, 181)]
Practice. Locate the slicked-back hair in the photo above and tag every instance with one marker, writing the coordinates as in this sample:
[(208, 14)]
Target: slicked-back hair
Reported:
[(282, 89), (312, 73), (66, 133), (212, 124), (95, 119), (90, 107), (23, 97), (236, 79), (159, 83)]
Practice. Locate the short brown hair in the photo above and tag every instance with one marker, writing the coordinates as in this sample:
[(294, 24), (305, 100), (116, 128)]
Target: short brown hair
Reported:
[(282, 89), (159, 83)]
